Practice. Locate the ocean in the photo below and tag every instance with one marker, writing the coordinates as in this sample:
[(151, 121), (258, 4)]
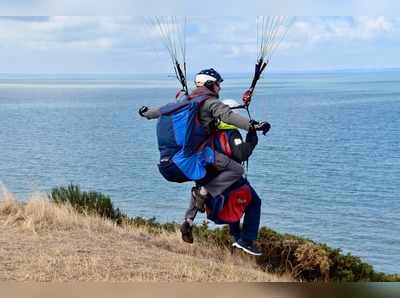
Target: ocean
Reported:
[(328, 170)]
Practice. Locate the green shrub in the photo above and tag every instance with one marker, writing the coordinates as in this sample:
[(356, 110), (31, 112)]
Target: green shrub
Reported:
[(311, 261), (87, 202), (348, 268), (152, 225), (219, 236)]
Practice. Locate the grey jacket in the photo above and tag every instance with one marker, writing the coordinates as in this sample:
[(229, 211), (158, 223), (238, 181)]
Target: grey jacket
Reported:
[(210, 112)]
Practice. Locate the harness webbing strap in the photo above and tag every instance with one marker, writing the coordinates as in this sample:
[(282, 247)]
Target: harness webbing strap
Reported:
[(175, 106), (223, 140)]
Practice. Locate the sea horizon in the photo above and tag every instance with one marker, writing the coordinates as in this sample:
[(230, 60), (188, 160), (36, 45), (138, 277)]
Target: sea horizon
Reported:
[(272, 71)]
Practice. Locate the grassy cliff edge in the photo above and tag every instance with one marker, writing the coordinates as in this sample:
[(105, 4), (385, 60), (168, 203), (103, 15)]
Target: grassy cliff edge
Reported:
[(44, 241)]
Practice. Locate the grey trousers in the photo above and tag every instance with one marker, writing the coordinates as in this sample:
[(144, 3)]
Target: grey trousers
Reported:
[(229, 172), (192, 210)]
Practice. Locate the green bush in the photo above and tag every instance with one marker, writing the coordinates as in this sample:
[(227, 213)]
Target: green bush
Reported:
[(87, 202), (347, 268), (219, 237), (305, 259), (152, 225)]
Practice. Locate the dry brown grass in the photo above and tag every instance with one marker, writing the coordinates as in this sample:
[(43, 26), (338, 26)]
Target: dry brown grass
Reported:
[(41, 241)]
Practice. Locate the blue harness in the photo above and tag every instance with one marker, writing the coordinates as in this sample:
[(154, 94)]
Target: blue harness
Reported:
[(184, 153)]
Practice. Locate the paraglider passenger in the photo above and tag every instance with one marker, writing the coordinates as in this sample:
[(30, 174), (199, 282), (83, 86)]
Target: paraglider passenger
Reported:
[(229, 141)]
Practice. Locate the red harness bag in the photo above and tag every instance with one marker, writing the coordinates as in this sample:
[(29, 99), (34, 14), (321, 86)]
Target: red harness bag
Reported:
[(235, 205)]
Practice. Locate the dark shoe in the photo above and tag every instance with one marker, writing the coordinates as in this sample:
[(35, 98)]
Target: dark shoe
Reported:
[(186, 230), (199, 199), (247, 247)]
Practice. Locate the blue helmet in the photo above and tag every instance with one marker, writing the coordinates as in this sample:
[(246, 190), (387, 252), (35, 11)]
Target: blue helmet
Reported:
[(208, 75)]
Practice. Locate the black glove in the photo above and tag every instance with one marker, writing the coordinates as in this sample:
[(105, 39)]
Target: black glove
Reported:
[(263, 126), (143, 110)]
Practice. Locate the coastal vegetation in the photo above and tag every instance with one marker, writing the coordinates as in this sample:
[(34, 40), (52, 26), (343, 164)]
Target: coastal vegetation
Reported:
[(302, 258)]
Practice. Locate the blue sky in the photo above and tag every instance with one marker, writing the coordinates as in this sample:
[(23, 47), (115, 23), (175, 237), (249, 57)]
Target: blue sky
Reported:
[(93, 44)]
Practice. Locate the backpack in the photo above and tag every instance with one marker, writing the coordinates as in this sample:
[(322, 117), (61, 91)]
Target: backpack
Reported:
[(183, 142)]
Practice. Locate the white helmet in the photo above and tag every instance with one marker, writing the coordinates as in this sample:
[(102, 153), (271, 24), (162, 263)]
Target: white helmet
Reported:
[(201, 79), (231, 103)]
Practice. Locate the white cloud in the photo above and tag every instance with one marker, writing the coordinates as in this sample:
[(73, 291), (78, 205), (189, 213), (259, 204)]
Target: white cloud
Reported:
[(236, 34), (205, 7), (92, 7), (342, 29), (94, 33)]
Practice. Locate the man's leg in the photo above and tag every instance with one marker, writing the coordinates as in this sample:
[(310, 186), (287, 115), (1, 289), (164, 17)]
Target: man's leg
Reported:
[(230, 172), (191, 212), (251, 222), (234, 230), (186, 226)]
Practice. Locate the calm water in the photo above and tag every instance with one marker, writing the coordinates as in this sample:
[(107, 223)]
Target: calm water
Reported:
[(328, 170)]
